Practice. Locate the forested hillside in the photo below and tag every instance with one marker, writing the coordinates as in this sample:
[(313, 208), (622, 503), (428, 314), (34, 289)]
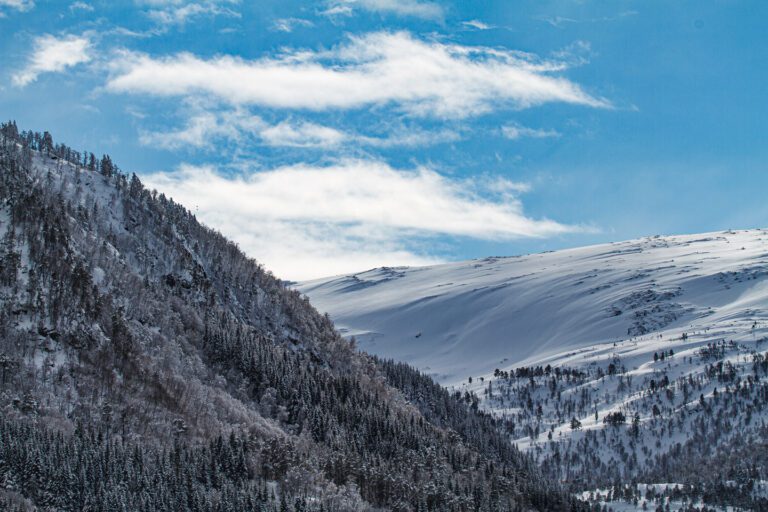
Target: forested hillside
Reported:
[(634, 372), (147, 364)]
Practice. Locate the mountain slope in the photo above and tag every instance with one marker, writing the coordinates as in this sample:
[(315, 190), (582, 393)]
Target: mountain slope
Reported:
[(147, 364), (616, 366), (468, 318)]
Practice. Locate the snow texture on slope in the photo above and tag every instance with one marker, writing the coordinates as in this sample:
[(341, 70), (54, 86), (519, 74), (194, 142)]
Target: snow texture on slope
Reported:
[(463, 319)]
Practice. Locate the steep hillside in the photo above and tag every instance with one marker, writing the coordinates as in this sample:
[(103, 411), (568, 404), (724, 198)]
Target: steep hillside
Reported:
[(639, 362), (147, 364)]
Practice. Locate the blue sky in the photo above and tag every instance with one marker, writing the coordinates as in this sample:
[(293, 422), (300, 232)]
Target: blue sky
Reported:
[(333, 136)]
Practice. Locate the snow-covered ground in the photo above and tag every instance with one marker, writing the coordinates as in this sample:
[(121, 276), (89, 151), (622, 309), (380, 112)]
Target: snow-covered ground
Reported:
[(466, 319)]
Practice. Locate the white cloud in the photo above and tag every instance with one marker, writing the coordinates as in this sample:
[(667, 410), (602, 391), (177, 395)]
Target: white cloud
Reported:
[(335, 11), (180, 12), (310, 135), (575, 54), (516, 131), (303, 134), (289, 24), (407, 137), (421, 77), (19, 5), (53, 55), (476, 24), (80, 6), (204, 128), (414, 8), (559, 21), (304, 221)]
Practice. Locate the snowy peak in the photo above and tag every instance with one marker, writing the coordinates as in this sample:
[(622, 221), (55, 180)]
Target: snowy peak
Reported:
[(468, 318)]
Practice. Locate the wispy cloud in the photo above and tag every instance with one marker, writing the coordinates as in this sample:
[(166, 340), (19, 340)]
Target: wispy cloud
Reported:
[(575, 54), (304, 134), (18, 5), (477, 24), (516, 131), (305, 221), (559, 21), (205, 128), (412, 8), (289, 24), (424, 78), (409, 137), (51, 54), (310, 135), (80, 6), (179, 12)]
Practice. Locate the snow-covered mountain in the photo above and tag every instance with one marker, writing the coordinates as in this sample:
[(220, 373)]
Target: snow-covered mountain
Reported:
[(466, 319), (635, 372)]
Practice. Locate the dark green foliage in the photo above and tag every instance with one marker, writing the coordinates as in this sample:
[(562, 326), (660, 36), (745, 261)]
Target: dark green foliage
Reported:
[(88, 471)]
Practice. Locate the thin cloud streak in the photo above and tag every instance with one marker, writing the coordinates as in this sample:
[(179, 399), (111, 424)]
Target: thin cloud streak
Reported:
[(205, 128), (289, 24), (516, 131), (167, 13), (477, 24), (405, 8)]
